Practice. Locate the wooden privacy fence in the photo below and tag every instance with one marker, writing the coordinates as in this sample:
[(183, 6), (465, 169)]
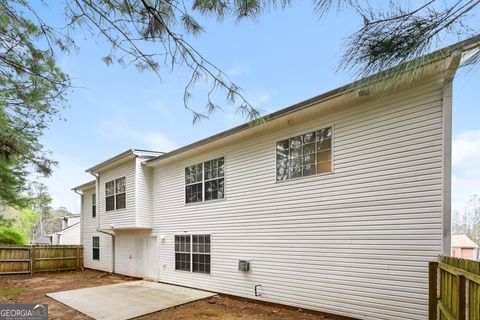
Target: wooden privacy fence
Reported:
[(31, 259), (454, 289)]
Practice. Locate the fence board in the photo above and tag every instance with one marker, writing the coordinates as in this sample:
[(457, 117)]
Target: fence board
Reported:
[(457, 289), (31, 259)]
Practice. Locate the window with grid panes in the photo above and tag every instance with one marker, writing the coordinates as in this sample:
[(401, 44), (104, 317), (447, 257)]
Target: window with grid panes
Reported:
[(115, 194), (94, 205), (182, 252), (96, 248), (304, 155), (192, 253), (201, 253), (205, 181)]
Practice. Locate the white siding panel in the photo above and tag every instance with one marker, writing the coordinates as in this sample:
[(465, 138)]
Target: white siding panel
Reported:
[(122, 217), (144, 181), (71, 235), (89, 226), (355, 242)]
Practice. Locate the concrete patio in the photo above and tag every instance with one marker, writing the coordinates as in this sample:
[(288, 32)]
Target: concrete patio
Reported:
[(127, 300)]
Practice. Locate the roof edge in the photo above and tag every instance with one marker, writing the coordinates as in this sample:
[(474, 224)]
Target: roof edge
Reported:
[(435, 56), (84, 186), (120, 156)]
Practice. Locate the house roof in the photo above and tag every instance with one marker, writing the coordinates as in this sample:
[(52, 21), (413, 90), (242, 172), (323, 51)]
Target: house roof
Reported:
[(87, 185), (462, 241), (359, 91), (71, 226), (119, 158), (42, 240), (129, 154)]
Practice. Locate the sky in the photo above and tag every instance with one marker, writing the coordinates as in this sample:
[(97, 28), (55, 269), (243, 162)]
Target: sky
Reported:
[(284, 57)]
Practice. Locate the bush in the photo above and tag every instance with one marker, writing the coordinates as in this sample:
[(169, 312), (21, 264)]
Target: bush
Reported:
[(11, 236)]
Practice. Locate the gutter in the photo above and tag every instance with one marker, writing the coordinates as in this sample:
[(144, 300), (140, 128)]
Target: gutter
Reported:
[(453, 50)]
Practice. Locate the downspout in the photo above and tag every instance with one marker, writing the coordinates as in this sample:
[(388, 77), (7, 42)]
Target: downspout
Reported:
[(81, 215), (97, 188)]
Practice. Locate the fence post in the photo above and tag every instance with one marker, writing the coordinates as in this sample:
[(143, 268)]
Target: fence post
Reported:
[(432, 290), (78, 258), (32, 258), (462, 287)]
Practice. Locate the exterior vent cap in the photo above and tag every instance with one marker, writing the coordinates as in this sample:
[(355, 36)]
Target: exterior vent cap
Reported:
[(243, 265)]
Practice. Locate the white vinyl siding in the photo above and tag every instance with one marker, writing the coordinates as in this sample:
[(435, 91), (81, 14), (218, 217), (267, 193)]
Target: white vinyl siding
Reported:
[(121, 217), (144, 185), (355, 242), (89, 227)]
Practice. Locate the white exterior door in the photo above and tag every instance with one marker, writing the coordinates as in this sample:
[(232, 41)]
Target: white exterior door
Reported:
[(151, 258), (138, 257)]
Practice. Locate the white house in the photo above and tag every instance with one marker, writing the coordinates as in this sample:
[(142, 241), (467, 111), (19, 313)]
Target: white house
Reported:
[(335, 204), (70, 233)]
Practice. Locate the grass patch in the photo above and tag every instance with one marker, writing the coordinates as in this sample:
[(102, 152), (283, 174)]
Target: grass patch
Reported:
[(9, 291)]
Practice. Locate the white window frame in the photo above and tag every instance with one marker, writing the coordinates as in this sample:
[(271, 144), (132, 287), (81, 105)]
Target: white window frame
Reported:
[(94, 205), (203, 182), (190, 235), (114, 195), (93, 247), (292, 135)]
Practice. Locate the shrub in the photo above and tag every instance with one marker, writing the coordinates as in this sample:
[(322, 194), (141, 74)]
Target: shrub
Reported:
[(11, 236)]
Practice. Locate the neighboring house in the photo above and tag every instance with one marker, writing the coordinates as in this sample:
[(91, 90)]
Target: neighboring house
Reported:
[(464, 247), (70, 233), (335, 204), (42, 240)]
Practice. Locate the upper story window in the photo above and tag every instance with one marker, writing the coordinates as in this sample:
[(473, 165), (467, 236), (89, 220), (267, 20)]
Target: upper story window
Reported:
[(94, 205), (305, 155), (115, 194), (205, 181)]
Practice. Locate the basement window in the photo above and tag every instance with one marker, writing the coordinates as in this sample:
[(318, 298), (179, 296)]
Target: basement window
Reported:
[(205, 181), (94, 205), (192, 253), (115, 197), (304, 155), (96, 248)]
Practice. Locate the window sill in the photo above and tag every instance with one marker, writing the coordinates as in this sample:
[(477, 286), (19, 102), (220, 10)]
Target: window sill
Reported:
[(306, 177), (194, 273), (115, 211), (204, 202)]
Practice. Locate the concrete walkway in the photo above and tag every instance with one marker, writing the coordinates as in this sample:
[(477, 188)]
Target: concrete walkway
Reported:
[(127, 300)]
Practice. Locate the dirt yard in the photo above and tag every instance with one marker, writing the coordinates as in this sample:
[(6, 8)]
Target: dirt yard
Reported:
[(26, 289)]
